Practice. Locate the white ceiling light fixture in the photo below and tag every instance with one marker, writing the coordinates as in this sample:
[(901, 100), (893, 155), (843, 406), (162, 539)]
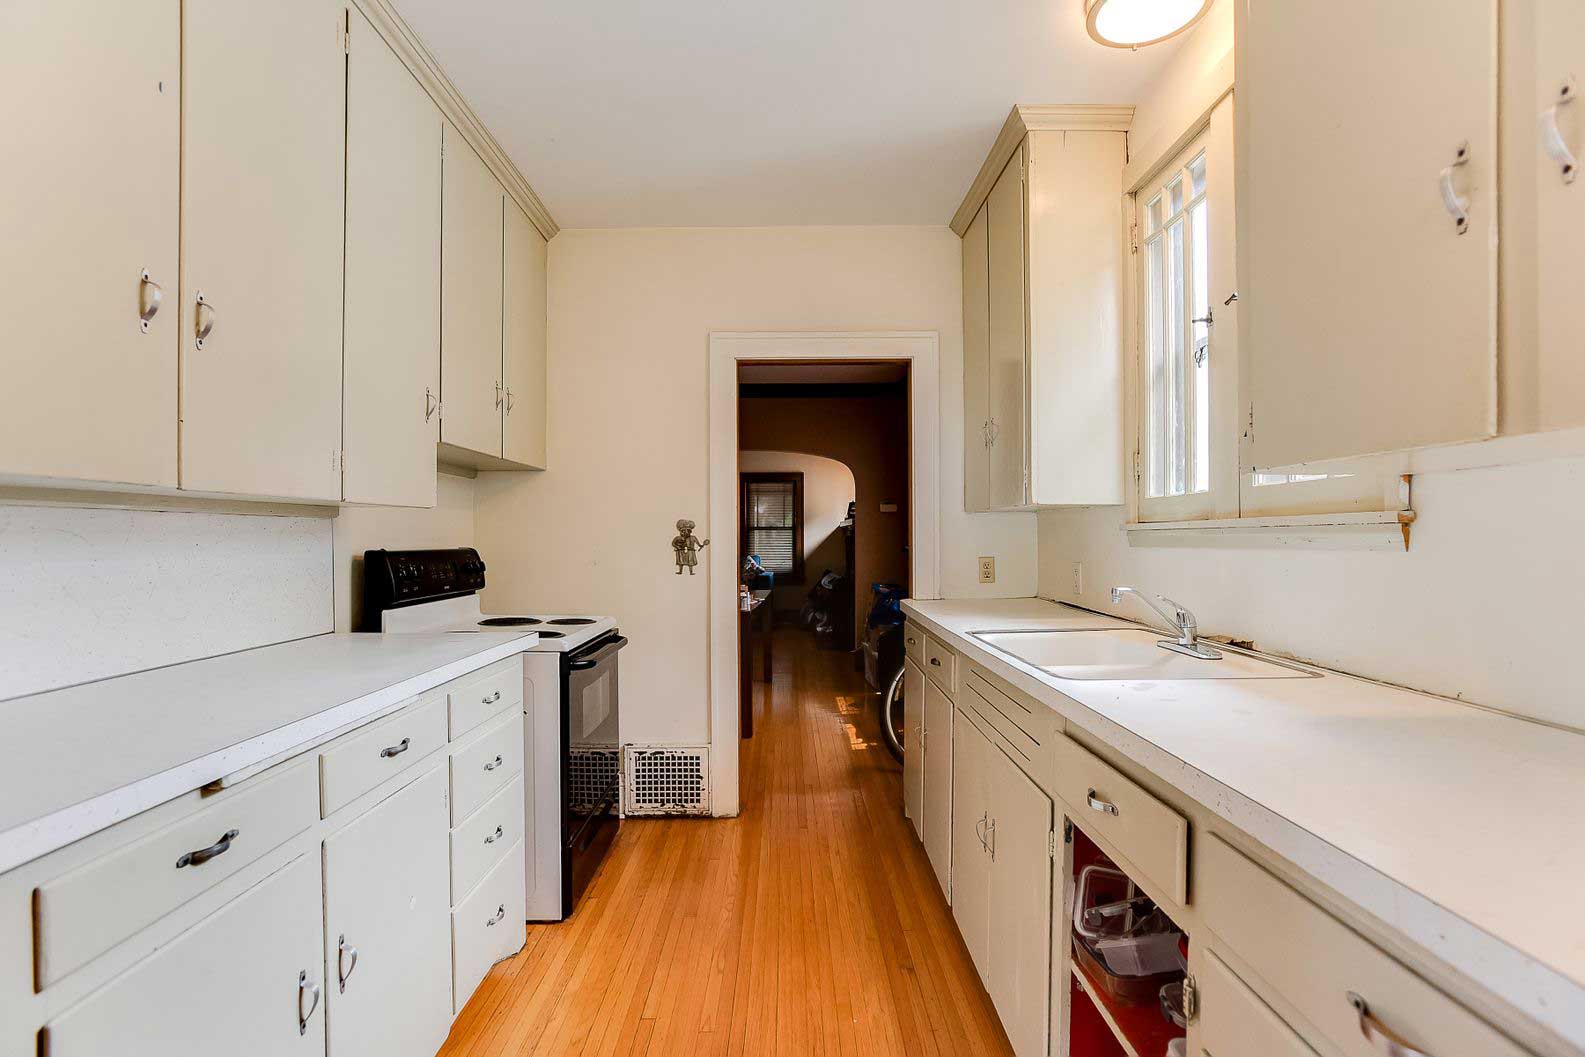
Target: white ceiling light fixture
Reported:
[(1136, 23)]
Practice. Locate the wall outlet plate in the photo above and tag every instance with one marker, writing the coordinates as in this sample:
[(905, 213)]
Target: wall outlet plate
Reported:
[(987, 570)]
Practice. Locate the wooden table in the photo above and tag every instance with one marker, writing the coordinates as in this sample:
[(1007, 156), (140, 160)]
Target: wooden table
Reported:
[(753, 622)]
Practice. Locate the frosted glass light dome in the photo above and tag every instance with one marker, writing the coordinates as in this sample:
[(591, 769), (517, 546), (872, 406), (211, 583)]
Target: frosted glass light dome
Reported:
[(1135, 23)]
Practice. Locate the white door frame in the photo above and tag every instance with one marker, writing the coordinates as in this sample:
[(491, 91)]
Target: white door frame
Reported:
[(922, 351)]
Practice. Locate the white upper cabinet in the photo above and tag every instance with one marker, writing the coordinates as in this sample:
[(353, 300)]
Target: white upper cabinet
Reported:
[(1007, 364), (88, 204), (976, 350), (1367, 233), (523, 339), (262, 226), (1543, 215), (471, 306), (391, 402)]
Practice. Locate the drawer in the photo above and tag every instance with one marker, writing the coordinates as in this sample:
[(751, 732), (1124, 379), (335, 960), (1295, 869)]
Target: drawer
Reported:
[(86, 912), (914, 643), (1315, 964), (941, 664), (355, 763), (1106, 802), (488, 926), (1234, 1022), (478, 843), (485, 763), (477, 697)]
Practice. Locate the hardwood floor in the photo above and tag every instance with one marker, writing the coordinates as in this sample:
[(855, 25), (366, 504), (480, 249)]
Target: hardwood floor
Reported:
[(809, 925)]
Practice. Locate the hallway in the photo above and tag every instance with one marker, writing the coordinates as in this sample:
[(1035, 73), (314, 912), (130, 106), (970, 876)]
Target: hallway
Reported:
[(809, 925)]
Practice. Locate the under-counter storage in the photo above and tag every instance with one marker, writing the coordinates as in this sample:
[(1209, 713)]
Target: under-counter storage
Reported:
[(484, 764), (1349, 992), (479, 841), (488, 925), (478, 697), (356, 763), (1235, 1022), (244, 979), (84, 913), (941, 664)]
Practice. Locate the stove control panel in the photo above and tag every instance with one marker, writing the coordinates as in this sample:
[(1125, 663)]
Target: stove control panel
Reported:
[(392, 579)]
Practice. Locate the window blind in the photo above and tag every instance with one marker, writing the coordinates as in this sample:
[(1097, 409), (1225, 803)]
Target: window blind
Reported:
[(771, 513)]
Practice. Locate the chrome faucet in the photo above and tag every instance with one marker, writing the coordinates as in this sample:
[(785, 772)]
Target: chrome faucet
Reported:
[(1188, 642)]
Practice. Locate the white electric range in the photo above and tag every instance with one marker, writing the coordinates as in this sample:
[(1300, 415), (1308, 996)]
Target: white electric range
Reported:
[(572, 758)]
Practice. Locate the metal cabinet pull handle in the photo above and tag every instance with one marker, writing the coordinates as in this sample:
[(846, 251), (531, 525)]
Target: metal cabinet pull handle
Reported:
[(990, 832), (490, 699), (497, 835), (431, 405), (1552, 137), (979, 829), (935, 661), (1382, 1039), (344, 948), (203, 320), (150, 295), (203, 855), (500, 913), (305, 986), (1105, 807), (397, 749), (912, 640), (499, 390), (493, 764), (1457, 205), (508, 400)]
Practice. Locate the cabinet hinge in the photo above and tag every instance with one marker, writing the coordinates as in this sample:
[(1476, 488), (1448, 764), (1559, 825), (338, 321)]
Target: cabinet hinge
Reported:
[(1191, 998), (1067, 832), (1133, 237), (346, 31), (1249, 430), (1139, 461), (1051, 844), (338, 461)]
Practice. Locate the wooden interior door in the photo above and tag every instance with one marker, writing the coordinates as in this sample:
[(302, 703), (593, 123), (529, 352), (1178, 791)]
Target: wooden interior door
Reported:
[(88, 203), (976, 353), (392, 369), (970, 819), (1368, 314), (523, 341), (263, 157), (470, 315), (915, 746), (388, 897), (937, 781), (1020, 906), (1007, 360)]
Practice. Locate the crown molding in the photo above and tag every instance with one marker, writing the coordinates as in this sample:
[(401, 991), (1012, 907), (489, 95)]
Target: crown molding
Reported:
[(423, 65), (1039, 117)]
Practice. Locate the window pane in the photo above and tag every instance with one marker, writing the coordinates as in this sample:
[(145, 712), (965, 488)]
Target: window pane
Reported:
[(1200, 336), (774, 547), (1156, 368), (1153, 215), (1177, 375), (1175, 195), (1197, 176), (770, 518)]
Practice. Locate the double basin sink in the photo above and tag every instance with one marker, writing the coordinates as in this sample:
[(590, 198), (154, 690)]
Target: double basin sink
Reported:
[(1125, 654)]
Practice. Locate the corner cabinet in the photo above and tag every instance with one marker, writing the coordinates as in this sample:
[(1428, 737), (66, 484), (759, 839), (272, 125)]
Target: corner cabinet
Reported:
[(1043, 272)]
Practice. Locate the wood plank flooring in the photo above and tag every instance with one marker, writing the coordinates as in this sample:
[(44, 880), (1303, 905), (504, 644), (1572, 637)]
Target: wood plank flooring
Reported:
[(809, 925)]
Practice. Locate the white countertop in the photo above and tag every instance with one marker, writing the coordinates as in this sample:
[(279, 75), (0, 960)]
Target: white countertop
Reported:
[(1461, 828), (76, 760)]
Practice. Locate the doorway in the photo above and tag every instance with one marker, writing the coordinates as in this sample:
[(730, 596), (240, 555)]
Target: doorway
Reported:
[(868, 402)]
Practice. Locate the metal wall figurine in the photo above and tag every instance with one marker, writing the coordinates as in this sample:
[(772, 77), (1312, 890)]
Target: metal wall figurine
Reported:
[(685, 547)]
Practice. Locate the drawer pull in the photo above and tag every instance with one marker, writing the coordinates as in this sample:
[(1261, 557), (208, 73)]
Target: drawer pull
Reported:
[(912, 640), (397, 749), (343, 948), (500, 914), (1105, 807), (203, 855), (497, 835), (935, 661), (493, 764), (490, 699), (1381, 1038), (1551, 138), (308, 987), (150, 294), (979, 829)]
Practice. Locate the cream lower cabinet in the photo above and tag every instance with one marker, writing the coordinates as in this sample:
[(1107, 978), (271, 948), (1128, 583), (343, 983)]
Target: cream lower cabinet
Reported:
[(1001, 882), (914, 746), (935, 792), (246, 979), (387, 925)]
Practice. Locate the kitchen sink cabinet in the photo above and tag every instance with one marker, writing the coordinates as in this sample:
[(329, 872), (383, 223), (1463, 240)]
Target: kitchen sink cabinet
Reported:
[(936, 781), (914, 748)]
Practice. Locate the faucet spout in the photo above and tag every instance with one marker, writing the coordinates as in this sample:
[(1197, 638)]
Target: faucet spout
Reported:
[(1181, 620)]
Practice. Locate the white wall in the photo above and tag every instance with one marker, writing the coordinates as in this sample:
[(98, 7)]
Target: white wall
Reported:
[(828, 489), (630, 315)]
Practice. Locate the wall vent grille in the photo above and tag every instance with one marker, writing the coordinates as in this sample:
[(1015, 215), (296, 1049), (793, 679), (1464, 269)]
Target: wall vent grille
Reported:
[(667, 780)]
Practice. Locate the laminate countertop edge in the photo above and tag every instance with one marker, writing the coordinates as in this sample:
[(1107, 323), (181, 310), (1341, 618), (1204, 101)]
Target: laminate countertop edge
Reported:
[(1336, 854)]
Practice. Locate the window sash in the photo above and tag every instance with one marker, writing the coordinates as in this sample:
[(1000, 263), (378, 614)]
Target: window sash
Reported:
[(771, 522)]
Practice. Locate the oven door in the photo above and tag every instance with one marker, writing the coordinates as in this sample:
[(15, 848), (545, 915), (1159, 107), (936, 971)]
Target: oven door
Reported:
[(593, 793)]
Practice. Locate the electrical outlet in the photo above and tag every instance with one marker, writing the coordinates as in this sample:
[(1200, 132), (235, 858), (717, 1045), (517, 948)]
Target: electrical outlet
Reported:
[(987, 570), (1078, 579)]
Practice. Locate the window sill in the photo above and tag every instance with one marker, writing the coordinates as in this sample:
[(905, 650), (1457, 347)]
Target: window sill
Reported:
[(1377, 530)]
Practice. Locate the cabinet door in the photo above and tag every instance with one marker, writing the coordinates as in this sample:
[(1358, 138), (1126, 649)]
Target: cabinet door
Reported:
[(244, 979), (523, 326), (470, 299), (387, 897), (976, 351), (1007, 359), (1369, 315), (914, 746), (88, 203), (970, 820), (1543, 215), (263, 153), (393, 278), (937, 782), (1020, 905)]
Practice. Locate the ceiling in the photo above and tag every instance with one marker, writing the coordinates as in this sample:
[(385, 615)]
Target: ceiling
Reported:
[(624, 113)]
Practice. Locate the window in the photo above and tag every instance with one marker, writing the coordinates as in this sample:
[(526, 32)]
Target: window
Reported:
[(1191, 410), (773, 515)]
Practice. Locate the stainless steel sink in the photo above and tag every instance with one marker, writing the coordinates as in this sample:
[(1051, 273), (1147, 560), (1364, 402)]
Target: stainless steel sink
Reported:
[(1126, 653)]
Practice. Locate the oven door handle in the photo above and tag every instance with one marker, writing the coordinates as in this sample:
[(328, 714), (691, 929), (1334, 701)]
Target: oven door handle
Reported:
[(583, 664), (595, 818)]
